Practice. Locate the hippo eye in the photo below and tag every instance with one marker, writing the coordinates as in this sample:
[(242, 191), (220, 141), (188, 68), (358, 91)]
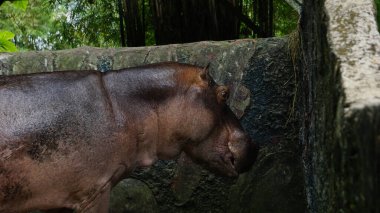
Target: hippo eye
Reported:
[(222, 94), (211, 83)]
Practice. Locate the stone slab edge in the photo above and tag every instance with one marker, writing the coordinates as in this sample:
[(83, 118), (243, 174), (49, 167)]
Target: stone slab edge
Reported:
[(355, 41)]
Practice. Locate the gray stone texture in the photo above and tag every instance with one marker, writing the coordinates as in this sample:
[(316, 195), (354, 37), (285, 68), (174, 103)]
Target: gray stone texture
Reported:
[(339, 106)]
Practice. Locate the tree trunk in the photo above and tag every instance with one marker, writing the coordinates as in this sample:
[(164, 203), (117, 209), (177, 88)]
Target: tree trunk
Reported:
[(134, 24), (296, 5), (264, 11), (121, 23), (181, 21)]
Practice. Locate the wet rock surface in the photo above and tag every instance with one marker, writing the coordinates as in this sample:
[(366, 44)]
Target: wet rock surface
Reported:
[(132, 195)]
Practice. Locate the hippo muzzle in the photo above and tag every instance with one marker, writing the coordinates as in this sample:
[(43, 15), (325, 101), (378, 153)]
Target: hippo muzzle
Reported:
[(229, 154), (244, 154)]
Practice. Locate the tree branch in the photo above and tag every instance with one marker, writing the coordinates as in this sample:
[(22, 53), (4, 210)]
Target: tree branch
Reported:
[(245, 19), (296, 5)]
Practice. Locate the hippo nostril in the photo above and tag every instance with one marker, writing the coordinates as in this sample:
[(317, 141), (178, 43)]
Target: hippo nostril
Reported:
[(232, 159)]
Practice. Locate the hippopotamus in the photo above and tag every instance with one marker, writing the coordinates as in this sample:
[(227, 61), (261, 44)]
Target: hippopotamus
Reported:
[(66, 138)]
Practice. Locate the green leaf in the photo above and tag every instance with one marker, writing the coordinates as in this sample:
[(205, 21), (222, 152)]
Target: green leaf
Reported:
[(21, 4), (6, 35), (7, 46)]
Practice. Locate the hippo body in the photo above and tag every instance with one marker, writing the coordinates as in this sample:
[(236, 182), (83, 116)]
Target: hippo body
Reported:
[(67, 137)]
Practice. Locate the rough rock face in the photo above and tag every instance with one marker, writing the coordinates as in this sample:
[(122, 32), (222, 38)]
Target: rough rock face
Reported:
[(340, 105), (265, 68), (276, 183), (133, 195)]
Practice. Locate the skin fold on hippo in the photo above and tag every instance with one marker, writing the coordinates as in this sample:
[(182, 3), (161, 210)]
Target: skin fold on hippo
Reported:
[(66, 138)]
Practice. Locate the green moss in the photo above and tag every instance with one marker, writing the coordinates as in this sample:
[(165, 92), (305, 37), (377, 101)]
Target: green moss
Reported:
[(377, 2)]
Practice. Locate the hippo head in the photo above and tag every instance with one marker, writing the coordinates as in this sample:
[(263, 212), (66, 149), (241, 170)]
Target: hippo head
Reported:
[(212, 135), (226, 149)]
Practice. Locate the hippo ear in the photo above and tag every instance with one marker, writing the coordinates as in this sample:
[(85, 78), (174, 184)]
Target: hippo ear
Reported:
[(204, 74)]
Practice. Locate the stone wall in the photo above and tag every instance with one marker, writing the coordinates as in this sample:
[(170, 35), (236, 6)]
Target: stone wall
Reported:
[(339, 106), (263, 77)]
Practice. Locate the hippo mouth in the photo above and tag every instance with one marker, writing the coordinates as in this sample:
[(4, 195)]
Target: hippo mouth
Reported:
[(229, 164), (224, 162), (241, 157), (236, 158), (229, 160)]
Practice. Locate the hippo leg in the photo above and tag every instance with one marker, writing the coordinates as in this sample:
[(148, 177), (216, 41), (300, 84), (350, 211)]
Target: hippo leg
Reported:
[(99, 204)]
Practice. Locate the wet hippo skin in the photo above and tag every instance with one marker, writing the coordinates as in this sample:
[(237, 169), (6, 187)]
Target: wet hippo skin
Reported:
[(67, 137)]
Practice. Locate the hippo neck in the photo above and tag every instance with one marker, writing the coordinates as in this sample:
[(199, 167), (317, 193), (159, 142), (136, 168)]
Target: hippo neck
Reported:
[(143, 85), (137, 96)]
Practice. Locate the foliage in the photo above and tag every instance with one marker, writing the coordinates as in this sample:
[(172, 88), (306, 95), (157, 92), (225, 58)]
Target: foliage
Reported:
[(6, 45), (286, 18), (21, 4), (93, 23), (63, 24), (32, 27)]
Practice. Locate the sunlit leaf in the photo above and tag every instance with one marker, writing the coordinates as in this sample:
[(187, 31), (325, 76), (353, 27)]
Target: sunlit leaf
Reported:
[(7, 46), (6, 35), (21, 4)]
